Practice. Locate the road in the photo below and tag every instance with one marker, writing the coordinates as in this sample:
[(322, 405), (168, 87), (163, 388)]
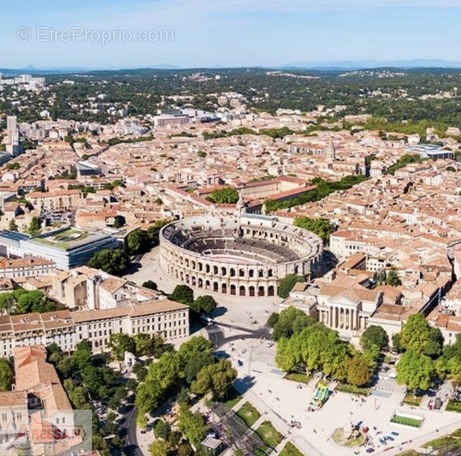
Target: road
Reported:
[(216, 333), (131, 439)]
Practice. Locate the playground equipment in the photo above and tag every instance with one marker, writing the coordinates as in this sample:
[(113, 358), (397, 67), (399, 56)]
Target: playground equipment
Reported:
[(320, 396)]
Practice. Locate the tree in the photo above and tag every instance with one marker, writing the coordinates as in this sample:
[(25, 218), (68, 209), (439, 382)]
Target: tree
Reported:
[(183, 294), (138, 242), (321, 227), (393, 279), (13, 225), (374, 336), (226, 195), (192, 425), (6, 375), (192, 348), (159, 448), (272, 320), (287, 284), (150, 285), (195, 364), (154, 231), (415, 370), (358, 371), (142, 344), (418, 336), (215, 378), (119, 343), (204, 304), (162, 430), (114, 262), (35, 226), (290, 321)]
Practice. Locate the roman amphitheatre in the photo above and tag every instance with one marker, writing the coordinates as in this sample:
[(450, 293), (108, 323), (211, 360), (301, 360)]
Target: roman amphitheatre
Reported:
[(244, 255)]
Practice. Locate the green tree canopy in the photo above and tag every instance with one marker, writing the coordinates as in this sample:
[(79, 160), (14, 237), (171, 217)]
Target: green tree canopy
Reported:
[(151, 285), (183, 294), (138, 241), (192, 425), (119, 343), (35, 226), (374, 336), (227, 195), (358, 371), (112, 261), (154, 230), (215, 378), (287, 284), (6, 375), (415, 370), (204, 304), (417, 335), (320, 226), (291, 321)]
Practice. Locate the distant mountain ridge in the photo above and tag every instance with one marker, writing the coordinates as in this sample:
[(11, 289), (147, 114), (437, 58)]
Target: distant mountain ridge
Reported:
[(347, 65)]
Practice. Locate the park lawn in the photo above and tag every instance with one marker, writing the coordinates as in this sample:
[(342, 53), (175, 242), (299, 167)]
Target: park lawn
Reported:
[(290, 450), (298, 377), (453, 406), (233, 398), (248, 414), (270, 436), (452, 440), (412, 399), (352, 389), (412, 422)]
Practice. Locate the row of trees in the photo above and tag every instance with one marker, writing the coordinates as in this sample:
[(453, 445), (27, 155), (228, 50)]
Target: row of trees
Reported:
[(193, 367), (139, 345), (322, 190), (185, 295), (307, 345)]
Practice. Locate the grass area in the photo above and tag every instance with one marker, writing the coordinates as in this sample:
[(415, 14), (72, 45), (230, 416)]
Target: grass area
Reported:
[(352, 389), (407, 421), (233, 398), (290, 450), (454, 406), (411, 399), (410, 453), (63, 239), (451, 441), (298, 377), (270, 436), (249, 414)]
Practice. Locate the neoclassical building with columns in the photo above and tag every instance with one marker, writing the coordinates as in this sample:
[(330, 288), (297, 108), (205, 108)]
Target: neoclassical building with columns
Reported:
[(242, 255), (345, 304)]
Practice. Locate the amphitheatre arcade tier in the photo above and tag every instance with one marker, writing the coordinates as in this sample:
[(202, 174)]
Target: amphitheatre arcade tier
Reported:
[(241, 256)]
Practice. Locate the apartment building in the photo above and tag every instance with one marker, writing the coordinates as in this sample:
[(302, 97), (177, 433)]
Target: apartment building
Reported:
[(66, 329), (25, 267), (57, 200)]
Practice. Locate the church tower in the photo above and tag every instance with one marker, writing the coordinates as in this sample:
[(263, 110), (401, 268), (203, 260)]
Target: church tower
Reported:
[(240, 206), (330, 151)]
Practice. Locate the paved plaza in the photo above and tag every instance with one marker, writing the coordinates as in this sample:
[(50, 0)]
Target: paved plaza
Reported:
[(282, 401)]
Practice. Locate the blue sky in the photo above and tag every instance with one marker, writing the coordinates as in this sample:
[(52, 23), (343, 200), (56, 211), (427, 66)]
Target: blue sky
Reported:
[(225, 32)]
